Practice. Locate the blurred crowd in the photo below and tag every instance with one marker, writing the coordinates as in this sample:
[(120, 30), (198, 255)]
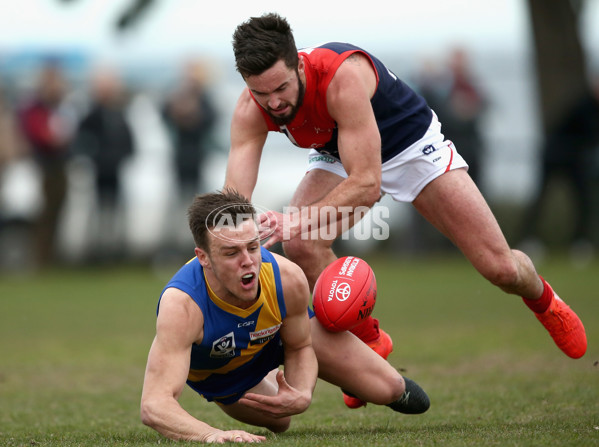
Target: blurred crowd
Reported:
[(58, 132), (568, 162), (84, 136), (570, 154)]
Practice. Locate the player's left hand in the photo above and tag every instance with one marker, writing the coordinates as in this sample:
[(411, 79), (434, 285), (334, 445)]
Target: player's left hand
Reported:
[(287, 402)]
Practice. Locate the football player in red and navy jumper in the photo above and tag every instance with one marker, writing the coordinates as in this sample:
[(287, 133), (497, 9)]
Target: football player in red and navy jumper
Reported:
[(368, 134)]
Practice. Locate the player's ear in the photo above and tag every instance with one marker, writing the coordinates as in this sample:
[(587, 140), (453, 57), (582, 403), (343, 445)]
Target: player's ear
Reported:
[(300, 64), (202, 257)]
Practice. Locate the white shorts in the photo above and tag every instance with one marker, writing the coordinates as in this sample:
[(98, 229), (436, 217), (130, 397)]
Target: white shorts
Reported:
[(406, 174)]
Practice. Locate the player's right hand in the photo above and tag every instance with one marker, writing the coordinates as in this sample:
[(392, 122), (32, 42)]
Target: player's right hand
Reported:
[(288, 401)]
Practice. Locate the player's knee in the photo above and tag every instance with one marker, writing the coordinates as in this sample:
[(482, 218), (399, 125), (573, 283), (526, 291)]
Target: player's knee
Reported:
[(390, 390), (503, 272), (300, 250), (396, 390)]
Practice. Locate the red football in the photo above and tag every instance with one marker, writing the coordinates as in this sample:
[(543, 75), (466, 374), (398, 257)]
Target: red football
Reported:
[(344, 294)]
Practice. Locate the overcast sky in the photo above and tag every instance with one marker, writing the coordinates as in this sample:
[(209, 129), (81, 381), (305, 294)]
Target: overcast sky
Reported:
[(182, 28), (174, 27)]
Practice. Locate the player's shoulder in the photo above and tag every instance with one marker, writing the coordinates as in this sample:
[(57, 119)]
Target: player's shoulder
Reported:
[(285, 265), (355, 75), (179, 307), (296, 289), (247, 112), (292, 276), (180, 321), (245, 104), (357, 64)]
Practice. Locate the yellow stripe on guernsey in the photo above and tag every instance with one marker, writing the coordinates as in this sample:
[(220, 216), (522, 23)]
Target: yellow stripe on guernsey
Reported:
[(268, 323)]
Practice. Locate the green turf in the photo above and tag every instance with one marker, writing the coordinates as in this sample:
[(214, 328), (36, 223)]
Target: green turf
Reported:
[(73, 346)]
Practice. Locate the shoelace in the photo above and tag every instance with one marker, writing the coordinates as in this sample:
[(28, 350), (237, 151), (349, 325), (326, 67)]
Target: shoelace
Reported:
[(562, 317), (561, 314)]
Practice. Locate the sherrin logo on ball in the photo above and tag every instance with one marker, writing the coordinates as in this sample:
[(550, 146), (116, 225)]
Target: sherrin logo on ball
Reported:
[(344, 294)]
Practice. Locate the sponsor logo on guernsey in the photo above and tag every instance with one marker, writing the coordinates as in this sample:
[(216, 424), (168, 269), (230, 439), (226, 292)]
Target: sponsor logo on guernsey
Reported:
[(264, 335), (321, 157), (224, 347)]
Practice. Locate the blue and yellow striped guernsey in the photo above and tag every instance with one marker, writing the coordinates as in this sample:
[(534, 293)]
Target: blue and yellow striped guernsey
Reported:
[(240, 346)]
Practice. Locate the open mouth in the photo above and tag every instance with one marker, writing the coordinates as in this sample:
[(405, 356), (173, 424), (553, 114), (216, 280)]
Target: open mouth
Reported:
[(247, 279)]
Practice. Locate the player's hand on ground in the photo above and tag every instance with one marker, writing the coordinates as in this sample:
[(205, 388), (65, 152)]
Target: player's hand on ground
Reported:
[(222, 436), (287, 402)]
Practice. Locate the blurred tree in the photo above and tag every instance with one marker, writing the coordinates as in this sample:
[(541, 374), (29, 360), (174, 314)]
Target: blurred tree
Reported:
[(131, 15), (560, 58), (569, 106)]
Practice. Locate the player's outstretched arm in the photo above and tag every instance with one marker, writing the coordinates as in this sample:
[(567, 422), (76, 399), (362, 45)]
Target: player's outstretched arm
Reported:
[(248, 135), (166, 373)]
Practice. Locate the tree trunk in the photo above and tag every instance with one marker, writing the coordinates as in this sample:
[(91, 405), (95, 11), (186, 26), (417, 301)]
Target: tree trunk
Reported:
[(560, 59)]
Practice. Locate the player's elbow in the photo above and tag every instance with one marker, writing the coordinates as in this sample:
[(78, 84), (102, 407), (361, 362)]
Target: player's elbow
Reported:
[(365, 184), (279, 425), (149, 412), (371, 191), (145, 414)]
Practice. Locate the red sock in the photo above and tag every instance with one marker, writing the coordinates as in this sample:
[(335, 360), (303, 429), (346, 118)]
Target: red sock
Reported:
[(368, 330), (541, 304)]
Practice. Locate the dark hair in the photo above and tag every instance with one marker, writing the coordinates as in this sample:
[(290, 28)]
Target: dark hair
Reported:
[(260, 42), (207, 210)]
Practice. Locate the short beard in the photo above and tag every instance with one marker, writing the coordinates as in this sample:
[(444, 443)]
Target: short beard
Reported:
[(284, 120)]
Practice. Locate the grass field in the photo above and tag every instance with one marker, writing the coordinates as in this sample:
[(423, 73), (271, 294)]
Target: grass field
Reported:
[(73, 346)]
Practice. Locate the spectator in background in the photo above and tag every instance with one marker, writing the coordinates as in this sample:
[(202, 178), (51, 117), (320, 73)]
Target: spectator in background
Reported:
[(105, 136), (190, 117), (12, 149), (48, 130), (571, 151), (452, 92), (11, 143), (466, 106)]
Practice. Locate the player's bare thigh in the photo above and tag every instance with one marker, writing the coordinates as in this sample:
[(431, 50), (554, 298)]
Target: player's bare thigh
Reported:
[(455, 206), (316, 184), (347, 362)]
